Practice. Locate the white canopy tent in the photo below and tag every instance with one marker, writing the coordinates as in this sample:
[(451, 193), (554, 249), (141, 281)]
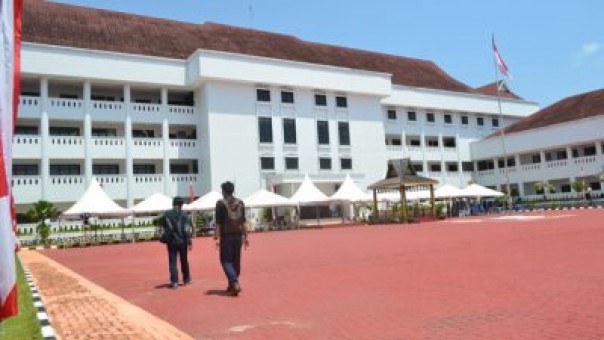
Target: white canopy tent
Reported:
[(204, 203), (350, 192), (448, 191), (308, 194), (95, 202), (477, 190), (264, 198), (153, 204)]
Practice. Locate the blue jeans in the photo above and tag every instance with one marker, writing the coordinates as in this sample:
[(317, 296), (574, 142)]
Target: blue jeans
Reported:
[(230, 256), (173, 252)]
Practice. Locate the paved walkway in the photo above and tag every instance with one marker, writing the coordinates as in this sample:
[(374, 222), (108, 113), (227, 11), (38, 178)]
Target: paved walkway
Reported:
[(79, 309)]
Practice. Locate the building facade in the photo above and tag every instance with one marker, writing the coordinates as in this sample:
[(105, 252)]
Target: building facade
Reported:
[(149, 105)]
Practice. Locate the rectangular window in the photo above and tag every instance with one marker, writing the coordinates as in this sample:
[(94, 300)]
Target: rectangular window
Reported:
[(341, 101), (325, 163), (565, 188), (536, 158), (392, 114), (589, 151), (467, 166), (495, 122), (26, 130), (561, 154), (105, 169), (464, 120), (448, 119), (267, 163), (395, 141), (500, 163), (291, 163), (414, 142), (344, 133), (346, 163), (108, 132), (64, 169), (411, 116), (432, 142), (26, 170), (320, 100), (143, 169), (179, 169), (263, 95), (449, 142), (452, 167), (575, 153), (323, 132), (151, 134), (289, 131), (511, 162), (418, 167), (265, 129), (64, 131), (479, 121), (435, 167), (430, 117), (287, 97)]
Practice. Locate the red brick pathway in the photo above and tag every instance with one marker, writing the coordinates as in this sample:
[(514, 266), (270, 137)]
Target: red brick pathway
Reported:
[(540, 279)]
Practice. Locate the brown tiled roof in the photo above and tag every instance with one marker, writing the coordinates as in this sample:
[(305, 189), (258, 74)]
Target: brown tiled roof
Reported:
[(66, 25), (580, 106), (491, 90)]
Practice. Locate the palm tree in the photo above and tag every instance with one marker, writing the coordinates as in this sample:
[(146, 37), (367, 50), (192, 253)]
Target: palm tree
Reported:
[(40, 212)]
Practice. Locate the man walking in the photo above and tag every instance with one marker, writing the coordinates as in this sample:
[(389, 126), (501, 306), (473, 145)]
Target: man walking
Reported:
[(231, 233), (179, 228)]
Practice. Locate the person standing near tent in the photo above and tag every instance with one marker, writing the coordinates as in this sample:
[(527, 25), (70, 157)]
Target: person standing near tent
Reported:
[(231, 233), (178, 228)]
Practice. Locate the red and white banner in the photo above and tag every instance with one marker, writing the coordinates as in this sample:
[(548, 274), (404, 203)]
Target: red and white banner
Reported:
[(503, 68), (10, 50)]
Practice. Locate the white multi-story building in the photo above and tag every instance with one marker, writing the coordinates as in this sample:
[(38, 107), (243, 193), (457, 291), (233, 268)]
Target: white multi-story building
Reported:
[(151, 105), (560, 144)]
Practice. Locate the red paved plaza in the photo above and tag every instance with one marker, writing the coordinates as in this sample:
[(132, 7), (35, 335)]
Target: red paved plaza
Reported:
[(482, 279)]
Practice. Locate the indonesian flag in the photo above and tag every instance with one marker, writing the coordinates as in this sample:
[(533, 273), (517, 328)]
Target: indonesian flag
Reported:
[(10, 43), (191, 193), (503, 68)]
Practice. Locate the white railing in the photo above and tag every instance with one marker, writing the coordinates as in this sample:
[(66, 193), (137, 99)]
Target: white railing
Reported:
[(66, 140), (27, 140), (67, 180), (531, 167), (556, 164), (111, 179), (585, 160), (102, 106), (145, 108), (186, 178), (65, 106), (108, 141), (26, 189), (181, 109), (412, 148), (148, 178), (183, 143), (394, 148), (264, 108), (24, 181), (29, 105), (147, 142)]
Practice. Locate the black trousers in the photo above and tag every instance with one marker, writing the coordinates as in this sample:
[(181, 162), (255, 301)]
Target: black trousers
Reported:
[(182, 252)]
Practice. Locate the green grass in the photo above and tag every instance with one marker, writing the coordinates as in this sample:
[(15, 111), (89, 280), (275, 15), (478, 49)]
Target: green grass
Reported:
[(25, 326)]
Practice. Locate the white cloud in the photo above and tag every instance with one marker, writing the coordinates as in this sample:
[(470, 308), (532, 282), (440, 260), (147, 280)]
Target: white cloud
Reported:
[(587, 52)]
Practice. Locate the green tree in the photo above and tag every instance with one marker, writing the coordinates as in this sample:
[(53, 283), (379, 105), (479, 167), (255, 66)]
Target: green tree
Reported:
[(578, 186), (544, 188), (40, 213)]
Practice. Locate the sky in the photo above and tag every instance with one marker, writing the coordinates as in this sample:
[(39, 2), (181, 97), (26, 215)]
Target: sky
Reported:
[(553, 49)]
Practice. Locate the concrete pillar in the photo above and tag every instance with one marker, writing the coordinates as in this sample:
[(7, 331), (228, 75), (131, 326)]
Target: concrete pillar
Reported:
[(45, 138), (129, 147), (165, 133), (443, 167), (423, 148), (569, 152), (521, 189), (404, 144), (87, 133), (542, 156), (599, 148)]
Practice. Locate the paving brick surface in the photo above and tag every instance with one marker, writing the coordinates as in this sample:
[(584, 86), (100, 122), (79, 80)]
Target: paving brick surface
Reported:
[(476, 278)]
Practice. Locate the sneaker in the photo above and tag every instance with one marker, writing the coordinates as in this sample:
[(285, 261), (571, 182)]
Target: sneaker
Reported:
[(174, 286), (186, 283), (235, 289)]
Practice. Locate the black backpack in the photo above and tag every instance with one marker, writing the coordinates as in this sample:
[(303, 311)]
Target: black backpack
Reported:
[(234, 217)]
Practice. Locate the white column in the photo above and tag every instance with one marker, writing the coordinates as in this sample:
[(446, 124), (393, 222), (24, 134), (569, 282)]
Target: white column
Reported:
[(45, 137), (404, 144), (598, 148), (459, 162), (569, 153), (423, 148), (87, 133), (542, 156), (165, 133), (129, 155), (443, 168)]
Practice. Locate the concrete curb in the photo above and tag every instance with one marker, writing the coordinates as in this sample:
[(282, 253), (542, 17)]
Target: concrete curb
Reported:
[(48, 332)]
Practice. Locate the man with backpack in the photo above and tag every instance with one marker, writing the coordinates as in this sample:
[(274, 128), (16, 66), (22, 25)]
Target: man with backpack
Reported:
[(177, 237), (231, 233)]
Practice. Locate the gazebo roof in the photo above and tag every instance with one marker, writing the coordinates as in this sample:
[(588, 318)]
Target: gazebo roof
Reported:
[(401, 173)]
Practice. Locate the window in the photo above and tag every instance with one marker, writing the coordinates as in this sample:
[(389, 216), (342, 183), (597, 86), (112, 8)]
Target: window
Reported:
[(467, 166), (179, 169), (263, 95), (287, 97), (452, 167), (561, 154), (464, 120), (430, 117), (500, 163), (432, 142), (143, 169), (26, 130), (64, 169), (418, 167), (341, 101), (435, 167), (344, 133), (291, 163), (325, 163), (267, 163), (320, 100), (414, 142), (395, 141), (111, 133), (495, 122), (103, 98), (589, 151), (289, 131), (411, 116), (449, 142), (64, 131), (346, 163), (105, 169), (392, 114), (26, 170), (68, 96), (565, 188), (265, 129), (536, 158), (479, 121), (511, 162), (448, 119), (323, 132)]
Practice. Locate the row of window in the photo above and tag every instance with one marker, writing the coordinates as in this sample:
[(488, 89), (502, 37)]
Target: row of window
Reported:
[(292, 163), (102, 132), (287, 97), (448, 142), (535, 158), (265, 131), (447, 118), (451, 167), (98, 169)]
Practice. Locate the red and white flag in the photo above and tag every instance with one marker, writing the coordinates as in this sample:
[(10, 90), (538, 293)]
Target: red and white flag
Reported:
[(503, 68), (10, 43)]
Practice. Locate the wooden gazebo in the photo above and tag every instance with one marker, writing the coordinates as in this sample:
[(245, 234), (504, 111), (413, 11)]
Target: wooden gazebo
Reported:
[(400, 176)]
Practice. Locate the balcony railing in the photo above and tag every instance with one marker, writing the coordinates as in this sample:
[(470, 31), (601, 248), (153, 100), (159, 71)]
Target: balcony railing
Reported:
[(183, 143), (108, 141), (181, 109), (29, 105), (65, 106), (145, 108), (27, 140)]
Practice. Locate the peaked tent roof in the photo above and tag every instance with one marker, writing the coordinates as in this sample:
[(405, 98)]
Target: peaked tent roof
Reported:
[(350, 192), (153, 204), (205, 202), (264, 198), (308, 193), (477, 190), (401, 173), (95, 202), (447, 191)]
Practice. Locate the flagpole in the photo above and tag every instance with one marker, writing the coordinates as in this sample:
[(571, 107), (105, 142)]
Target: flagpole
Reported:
[(501, 130)]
